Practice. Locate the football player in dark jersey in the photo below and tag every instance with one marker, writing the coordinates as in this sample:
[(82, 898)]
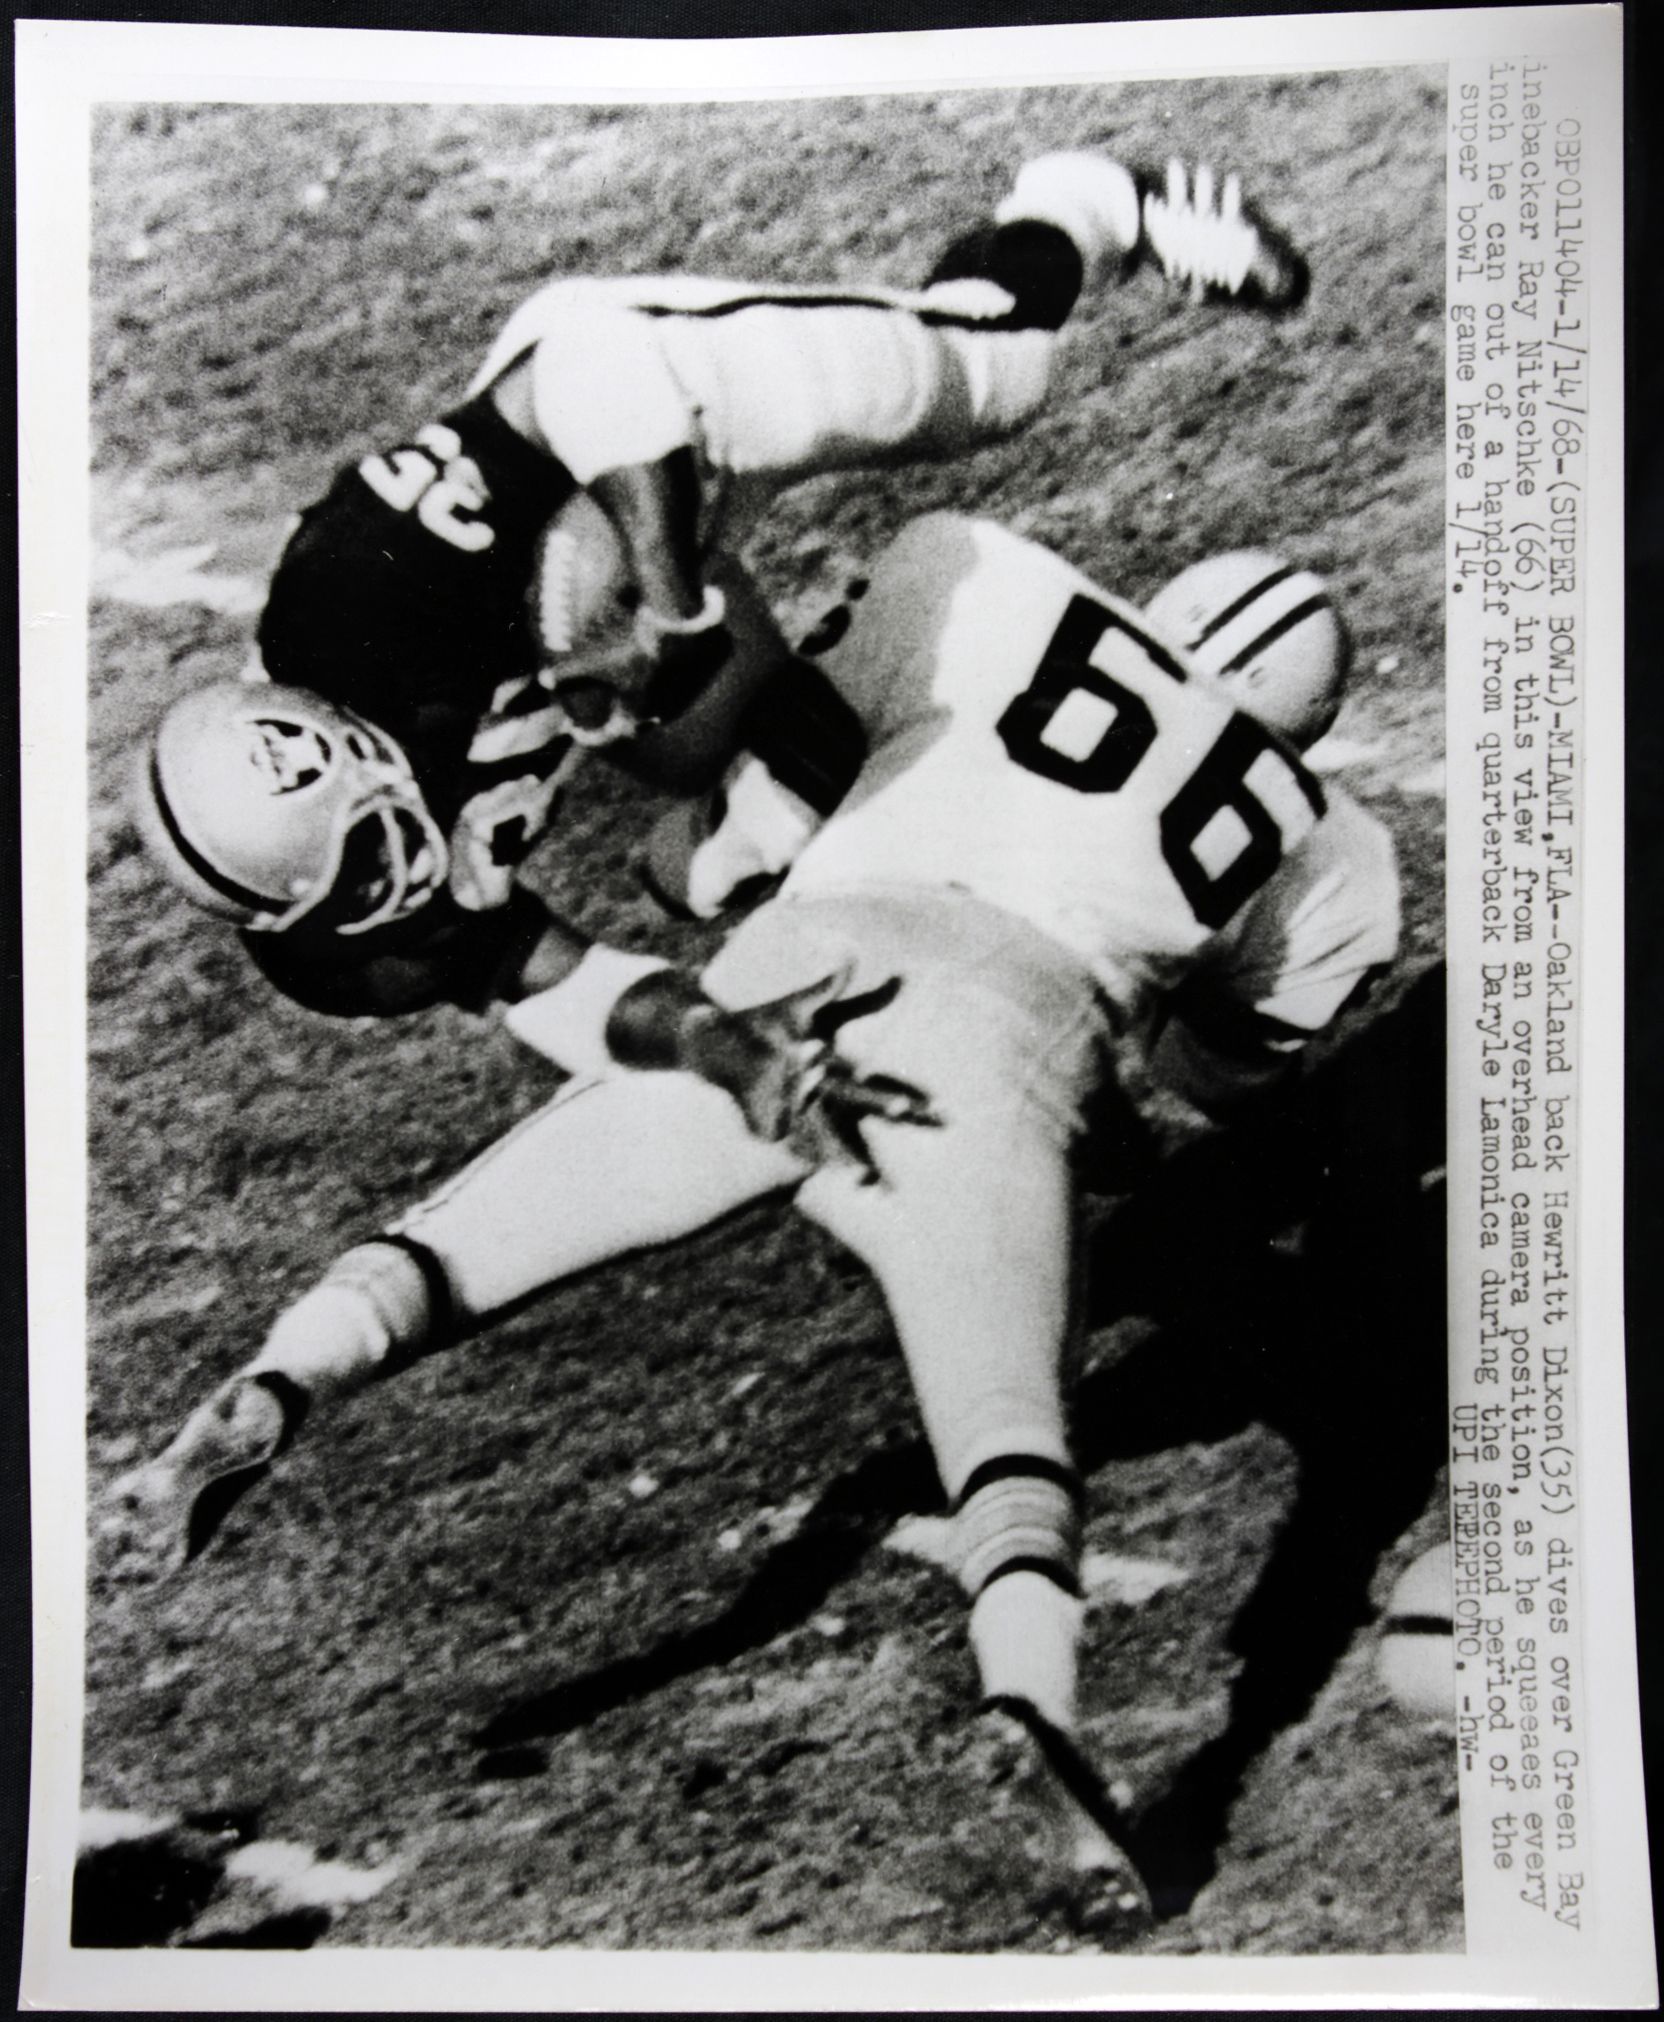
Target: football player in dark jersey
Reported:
[(1083, 831), (425, 597)]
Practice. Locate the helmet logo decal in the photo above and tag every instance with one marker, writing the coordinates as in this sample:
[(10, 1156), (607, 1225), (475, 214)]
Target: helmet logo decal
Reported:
[(289, 756), (265, 805)]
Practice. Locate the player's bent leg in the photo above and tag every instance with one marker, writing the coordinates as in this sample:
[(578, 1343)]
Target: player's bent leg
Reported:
[(1069, 219), (971, 1233), (1088, 197), (602, 395), (972, 1251), (1204, 234), (607, 1167), (1000, 294), (970, 1237)]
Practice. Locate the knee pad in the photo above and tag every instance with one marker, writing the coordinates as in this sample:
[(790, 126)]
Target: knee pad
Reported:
[(1020, 1513)]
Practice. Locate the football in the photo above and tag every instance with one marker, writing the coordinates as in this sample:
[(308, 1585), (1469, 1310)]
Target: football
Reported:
[(1417, 1654), (598, 1702), (585, 590)]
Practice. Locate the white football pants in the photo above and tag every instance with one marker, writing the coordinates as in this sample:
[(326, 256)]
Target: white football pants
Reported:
[(769, 395), (969, 1236)]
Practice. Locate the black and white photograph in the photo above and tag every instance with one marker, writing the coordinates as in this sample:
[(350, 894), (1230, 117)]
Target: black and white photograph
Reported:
[(767, 1089)]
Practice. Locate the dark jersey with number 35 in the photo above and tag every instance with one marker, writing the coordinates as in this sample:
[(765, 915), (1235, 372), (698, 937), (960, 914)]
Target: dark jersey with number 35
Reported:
[(403, 593)]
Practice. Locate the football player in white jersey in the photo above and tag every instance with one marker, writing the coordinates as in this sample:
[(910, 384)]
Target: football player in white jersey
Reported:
[(1067, 841), (428, 594)]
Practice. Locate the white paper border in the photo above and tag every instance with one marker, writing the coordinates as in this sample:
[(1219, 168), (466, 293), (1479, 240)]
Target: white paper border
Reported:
[(65, 67)]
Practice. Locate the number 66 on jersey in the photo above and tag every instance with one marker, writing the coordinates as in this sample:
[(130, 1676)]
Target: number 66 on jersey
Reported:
[(1127, 781)]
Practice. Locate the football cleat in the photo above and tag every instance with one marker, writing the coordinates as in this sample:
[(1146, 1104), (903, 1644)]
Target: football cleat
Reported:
[(1052, 1803), (157, 1517), (1208, 240)]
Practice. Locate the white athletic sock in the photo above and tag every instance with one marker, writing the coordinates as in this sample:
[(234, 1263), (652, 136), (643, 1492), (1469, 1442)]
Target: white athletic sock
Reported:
[(1026, 1634), (373, 1300), (1092, 198)]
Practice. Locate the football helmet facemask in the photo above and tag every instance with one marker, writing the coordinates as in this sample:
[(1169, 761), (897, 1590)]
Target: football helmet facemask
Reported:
[(267, 805), (1266, 632)]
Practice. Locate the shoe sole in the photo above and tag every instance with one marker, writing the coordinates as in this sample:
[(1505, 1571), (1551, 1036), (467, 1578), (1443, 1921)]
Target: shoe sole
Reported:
[(1278, 279)]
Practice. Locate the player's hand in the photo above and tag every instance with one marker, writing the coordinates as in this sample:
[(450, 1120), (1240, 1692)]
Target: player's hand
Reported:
[(593, 690), (779, 1062), (494, 833), (828, 1128)]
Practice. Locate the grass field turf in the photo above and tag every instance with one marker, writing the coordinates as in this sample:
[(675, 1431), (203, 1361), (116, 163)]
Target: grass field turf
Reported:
[(588, 1628)]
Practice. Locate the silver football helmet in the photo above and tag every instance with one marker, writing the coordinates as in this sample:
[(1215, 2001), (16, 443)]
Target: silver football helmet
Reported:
[(1266, 632), (264, 803)]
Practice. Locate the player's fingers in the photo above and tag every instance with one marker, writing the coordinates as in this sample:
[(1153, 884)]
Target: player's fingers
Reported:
[(844, 1009), (904, 1102), (839, 1134), (880, 1095), (798, 1011)]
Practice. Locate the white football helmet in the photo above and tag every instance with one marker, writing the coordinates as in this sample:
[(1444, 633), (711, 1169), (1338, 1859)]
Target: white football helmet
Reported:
[(261, 802), (1266, 632)]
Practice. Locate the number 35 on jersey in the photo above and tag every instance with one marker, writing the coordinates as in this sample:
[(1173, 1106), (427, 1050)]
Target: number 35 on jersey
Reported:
[(431, 478)]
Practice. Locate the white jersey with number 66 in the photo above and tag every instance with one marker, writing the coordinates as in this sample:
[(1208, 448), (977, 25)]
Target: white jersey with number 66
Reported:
[(1032, 742)]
